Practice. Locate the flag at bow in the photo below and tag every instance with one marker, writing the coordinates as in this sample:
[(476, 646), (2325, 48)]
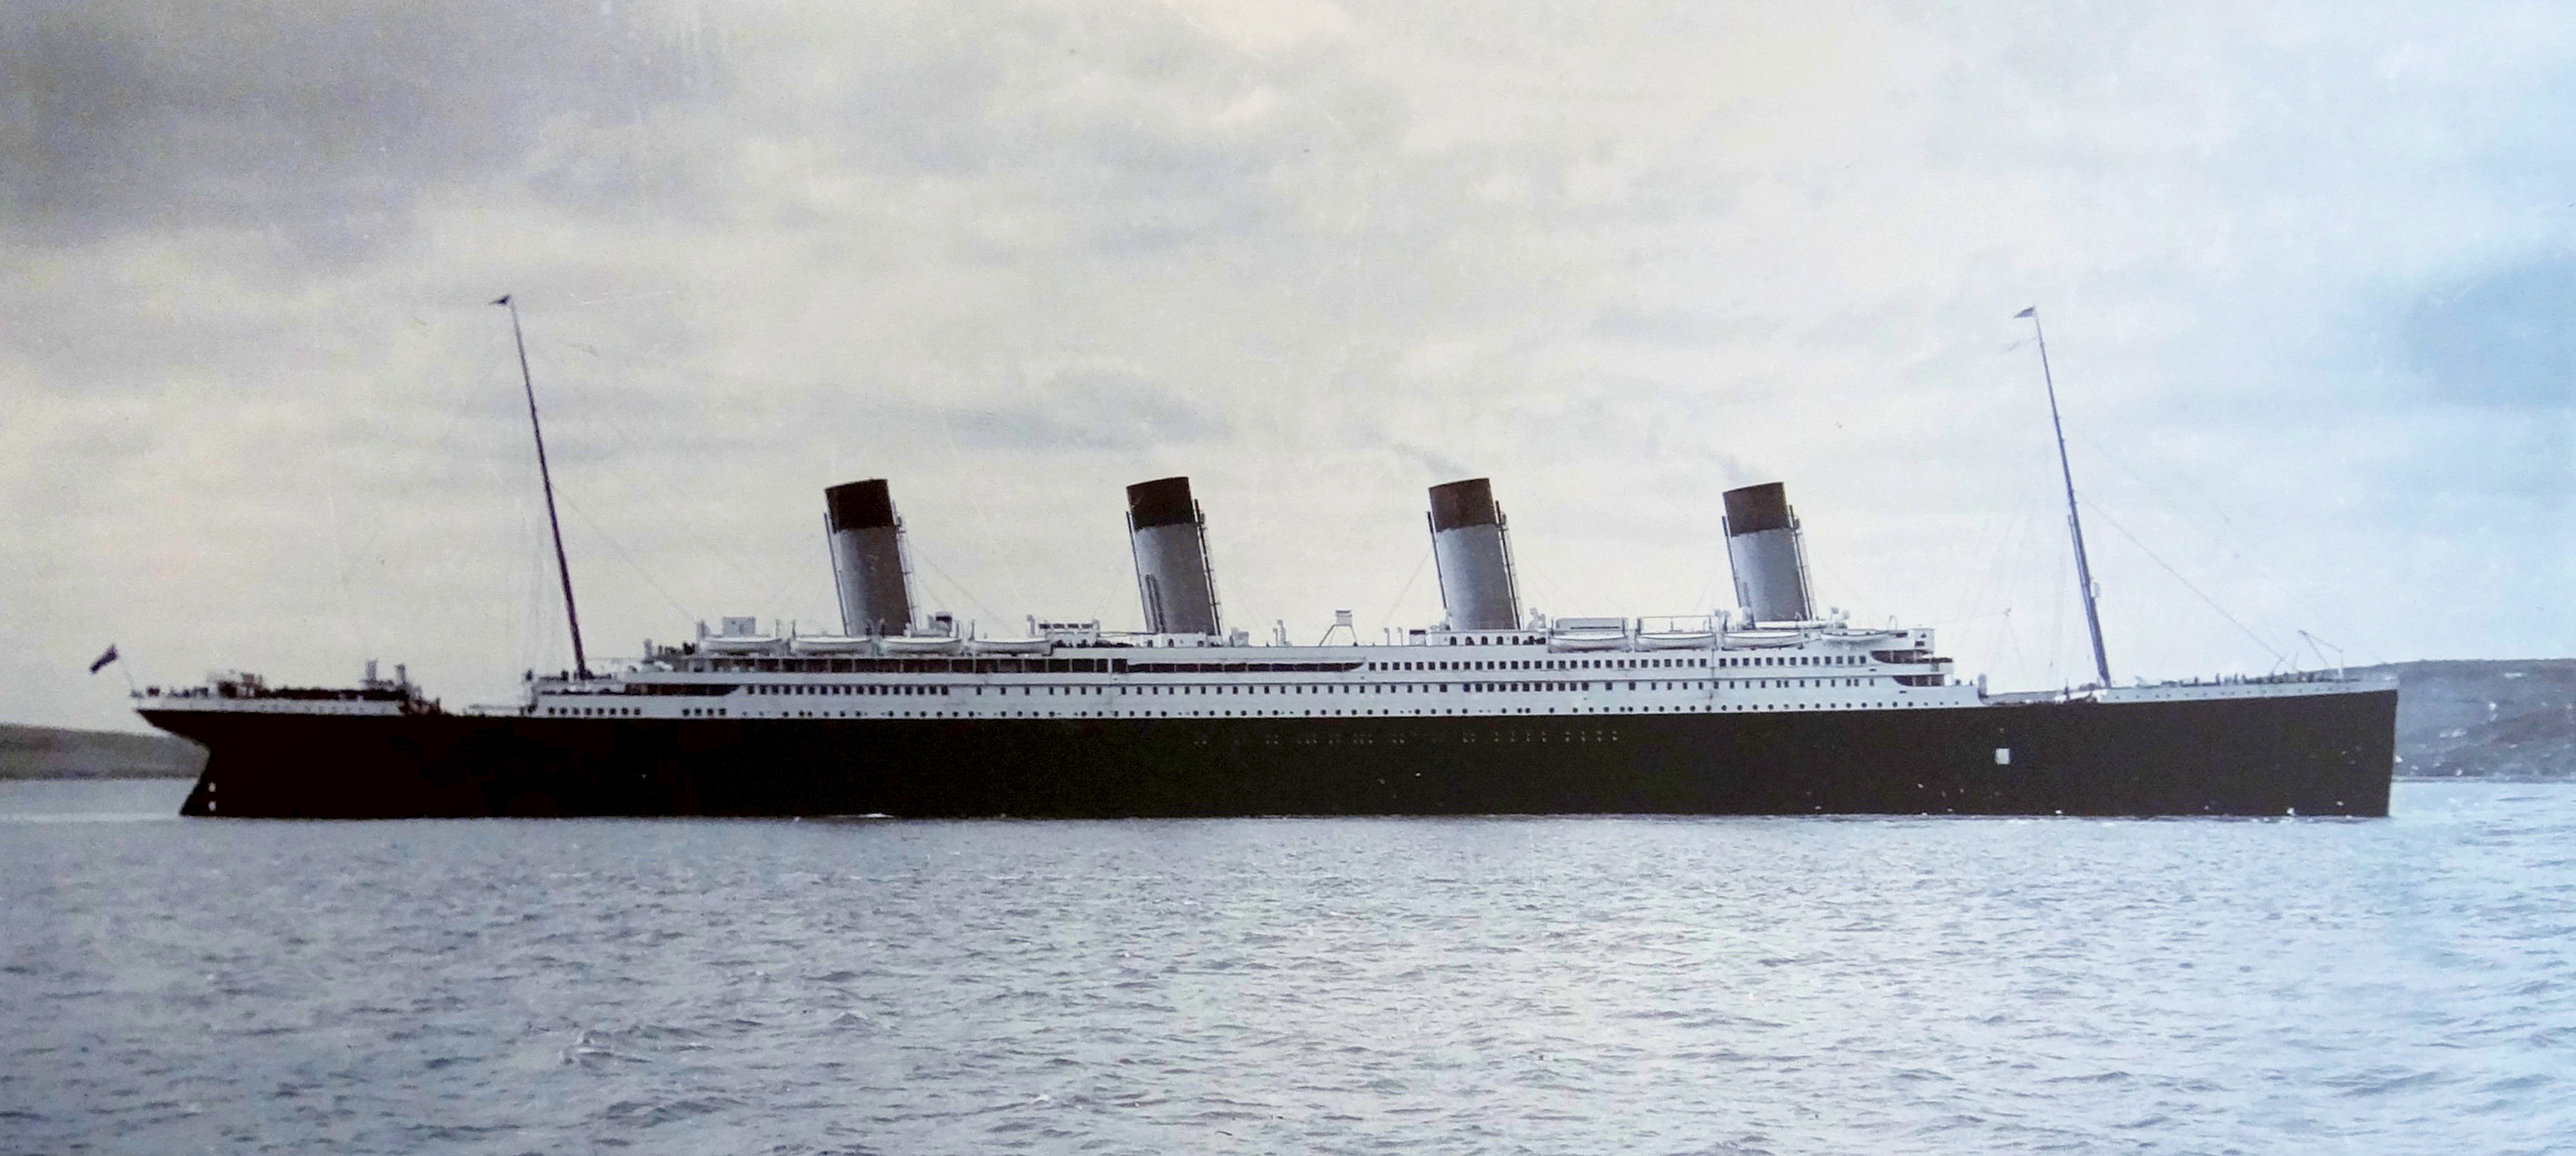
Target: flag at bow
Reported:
[(2033, 311), (104, 659)]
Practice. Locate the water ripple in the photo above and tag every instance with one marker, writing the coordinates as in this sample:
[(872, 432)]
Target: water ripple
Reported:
[(1729, 987)]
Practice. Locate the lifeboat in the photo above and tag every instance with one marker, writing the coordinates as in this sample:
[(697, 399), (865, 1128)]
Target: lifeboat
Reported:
[(1684, 632), (1006, 646), (1595, 639), (921, 644), (1588, 634), (738, 643), (829, 644)]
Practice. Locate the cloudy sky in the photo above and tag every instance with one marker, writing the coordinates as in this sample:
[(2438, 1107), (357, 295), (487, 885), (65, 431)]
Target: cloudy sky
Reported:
[(2306, 268)]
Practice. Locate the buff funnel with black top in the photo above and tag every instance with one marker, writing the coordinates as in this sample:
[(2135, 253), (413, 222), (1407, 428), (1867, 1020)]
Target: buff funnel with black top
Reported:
[(1168, 533), (1471, 543), (867, 559), (1763, 549)]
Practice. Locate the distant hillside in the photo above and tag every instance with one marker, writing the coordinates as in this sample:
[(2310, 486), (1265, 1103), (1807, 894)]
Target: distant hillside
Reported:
[(53, 753), (2513, 719)]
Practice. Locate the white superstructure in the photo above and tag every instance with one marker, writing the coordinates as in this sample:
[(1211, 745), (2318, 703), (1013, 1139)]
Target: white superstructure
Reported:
[(885, 666), (1432, 672)]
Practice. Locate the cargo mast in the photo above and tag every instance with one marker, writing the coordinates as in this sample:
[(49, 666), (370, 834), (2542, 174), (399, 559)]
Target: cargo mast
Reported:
[(580, 662), (2074, 524)]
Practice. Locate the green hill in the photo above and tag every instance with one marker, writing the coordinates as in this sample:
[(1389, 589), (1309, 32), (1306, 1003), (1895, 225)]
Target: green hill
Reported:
[(2507, 719), (54, 753)]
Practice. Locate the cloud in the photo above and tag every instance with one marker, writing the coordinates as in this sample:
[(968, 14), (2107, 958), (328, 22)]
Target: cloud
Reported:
[(2503, 339), (1015, 254), (1434, 465), (325, 121), (1089, 410)]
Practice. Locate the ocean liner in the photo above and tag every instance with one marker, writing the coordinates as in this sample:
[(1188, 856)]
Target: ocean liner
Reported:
[(1772, 709)]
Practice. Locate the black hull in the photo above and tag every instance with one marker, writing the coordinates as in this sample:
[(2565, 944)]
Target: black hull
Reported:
[(2324, 754)]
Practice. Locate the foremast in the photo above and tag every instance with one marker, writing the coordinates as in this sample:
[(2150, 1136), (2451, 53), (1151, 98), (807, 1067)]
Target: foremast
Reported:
[(563, 569), (2074, 522)]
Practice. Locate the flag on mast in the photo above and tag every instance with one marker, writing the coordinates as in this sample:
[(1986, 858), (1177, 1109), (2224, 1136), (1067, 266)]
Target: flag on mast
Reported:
[(104, 659), (2033, 311)]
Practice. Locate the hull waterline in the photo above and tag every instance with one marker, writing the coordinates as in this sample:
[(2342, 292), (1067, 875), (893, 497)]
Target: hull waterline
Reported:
[(2322, 754)]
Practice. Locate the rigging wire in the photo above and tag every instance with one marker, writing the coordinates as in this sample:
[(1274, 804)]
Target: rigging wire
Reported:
[(2056, 648), (2225, 545), (339, 545), (589, 418), (983, 518), (2023, 561), (1552, 592), (532, 642), (808, 576), (1388, 618), (596, 529), (603, 417), (1990, 586), (594, 417), (915, 550), (1699, 602), (2277, 657), (538, 645)]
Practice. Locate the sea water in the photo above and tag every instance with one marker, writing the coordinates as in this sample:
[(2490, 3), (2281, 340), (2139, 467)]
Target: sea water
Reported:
[(1796, 985)]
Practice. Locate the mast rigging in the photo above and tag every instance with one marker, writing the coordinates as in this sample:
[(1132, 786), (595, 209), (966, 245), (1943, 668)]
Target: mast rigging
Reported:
[(580, 661), (2074, 524)]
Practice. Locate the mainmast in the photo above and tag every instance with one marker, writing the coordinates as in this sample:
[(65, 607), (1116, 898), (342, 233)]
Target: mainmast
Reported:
[(2074, 524), (580, 662)]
